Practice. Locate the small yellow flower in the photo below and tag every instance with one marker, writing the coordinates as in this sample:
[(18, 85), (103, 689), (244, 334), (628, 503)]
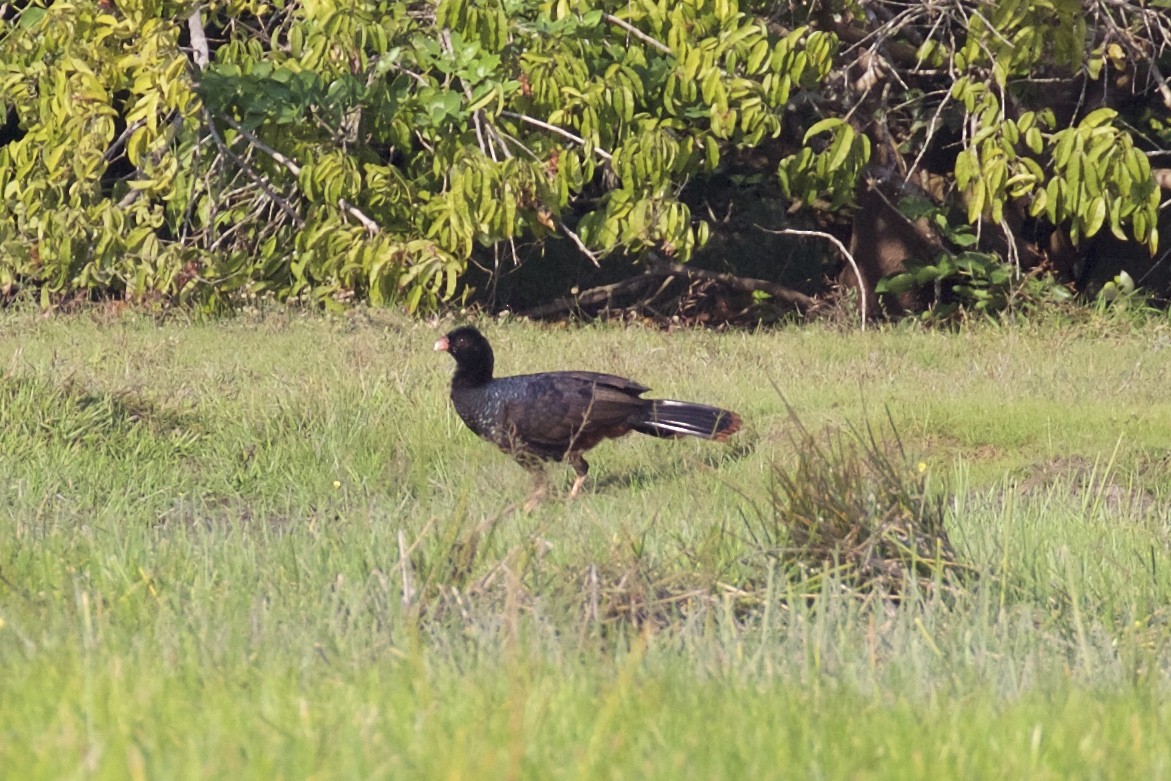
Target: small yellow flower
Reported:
[(922, 467), (337, 484)]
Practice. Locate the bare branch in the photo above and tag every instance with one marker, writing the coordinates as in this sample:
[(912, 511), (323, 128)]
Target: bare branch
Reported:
[(841, 248), (112, 152), (129, 198), (637, 33), (249, 172), (290, 165), (239, 224), (1161, 84), (506, 137), (198, 39), (559, 131), (370, 225), (931, 128), (581, 245)]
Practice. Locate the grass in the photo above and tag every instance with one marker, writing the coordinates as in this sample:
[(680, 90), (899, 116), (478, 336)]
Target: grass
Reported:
[(267, 548)]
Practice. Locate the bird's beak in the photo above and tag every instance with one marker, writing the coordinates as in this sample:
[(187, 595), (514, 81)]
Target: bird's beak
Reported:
[(442, 344)]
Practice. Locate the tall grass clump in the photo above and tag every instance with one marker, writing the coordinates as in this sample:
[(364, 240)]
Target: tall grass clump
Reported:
[(853, 505)]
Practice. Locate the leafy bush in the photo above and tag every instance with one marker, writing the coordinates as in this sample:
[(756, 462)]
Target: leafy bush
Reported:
[(968, 279), (340, 151), (335, 151)]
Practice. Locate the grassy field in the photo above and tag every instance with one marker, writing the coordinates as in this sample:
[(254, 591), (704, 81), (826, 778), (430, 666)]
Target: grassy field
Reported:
[(266, 548)]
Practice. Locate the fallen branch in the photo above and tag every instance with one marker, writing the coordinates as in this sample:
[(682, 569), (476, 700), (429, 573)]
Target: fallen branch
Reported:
[(743, 284), (591, 297), (656, 270)]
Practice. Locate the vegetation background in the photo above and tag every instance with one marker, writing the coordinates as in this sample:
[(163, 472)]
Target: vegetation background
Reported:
[(562, 156)]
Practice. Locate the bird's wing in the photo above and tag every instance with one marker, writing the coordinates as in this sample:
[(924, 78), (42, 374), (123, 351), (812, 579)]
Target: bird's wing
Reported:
[(605, 380), (552, 410)]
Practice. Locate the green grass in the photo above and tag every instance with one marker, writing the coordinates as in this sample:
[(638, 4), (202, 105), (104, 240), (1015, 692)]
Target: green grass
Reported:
[(267, 548)]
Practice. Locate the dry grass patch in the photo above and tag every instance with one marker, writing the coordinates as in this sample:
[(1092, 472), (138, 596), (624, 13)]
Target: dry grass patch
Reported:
[(852, 504)]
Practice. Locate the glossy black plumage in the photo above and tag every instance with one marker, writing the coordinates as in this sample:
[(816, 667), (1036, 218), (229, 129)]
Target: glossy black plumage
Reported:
[(557, 416)]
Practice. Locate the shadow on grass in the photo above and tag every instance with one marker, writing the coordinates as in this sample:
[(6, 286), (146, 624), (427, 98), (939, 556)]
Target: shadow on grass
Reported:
[(37, 408), (710, 460)]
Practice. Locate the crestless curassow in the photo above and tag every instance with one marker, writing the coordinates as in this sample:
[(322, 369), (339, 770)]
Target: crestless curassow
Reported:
[(557, 416)]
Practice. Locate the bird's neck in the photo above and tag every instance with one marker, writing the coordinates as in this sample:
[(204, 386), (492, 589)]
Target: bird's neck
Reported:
[(472, 376)]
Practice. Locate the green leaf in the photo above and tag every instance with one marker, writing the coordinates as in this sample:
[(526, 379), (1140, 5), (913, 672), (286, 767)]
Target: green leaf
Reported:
[(757, 56), (1098, 117), (977, 198), (1034, 140), (829, 123), (31, 16), (841, 148)]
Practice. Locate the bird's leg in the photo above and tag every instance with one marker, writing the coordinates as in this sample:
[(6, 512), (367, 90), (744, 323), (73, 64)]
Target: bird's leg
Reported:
[(582, 469), (537, 495), (537, 469), (577, 484)]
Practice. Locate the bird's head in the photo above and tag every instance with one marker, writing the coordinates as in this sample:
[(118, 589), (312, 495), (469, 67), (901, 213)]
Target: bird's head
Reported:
[(472, 354)]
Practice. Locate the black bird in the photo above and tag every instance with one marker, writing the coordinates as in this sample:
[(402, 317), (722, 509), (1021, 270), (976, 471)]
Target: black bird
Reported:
[(557, 416)]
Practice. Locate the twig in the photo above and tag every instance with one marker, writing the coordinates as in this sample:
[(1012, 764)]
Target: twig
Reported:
[(227, 234), (931, 127), (260, 181), (506, 137), (841, 248), (1014, 254), (112, 152), (581, 245), (198, 39), (173, 122), (637, 33), (370, 225), (292, 166), (1161, 84), (554, 129)]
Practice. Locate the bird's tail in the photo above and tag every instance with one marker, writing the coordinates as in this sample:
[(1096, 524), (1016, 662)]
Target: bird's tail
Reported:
[(666, 418)]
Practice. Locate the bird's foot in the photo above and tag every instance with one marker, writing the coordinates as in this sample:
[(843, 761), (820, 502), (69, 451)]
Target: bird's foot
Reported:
[(577, 484), (535, 499)]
